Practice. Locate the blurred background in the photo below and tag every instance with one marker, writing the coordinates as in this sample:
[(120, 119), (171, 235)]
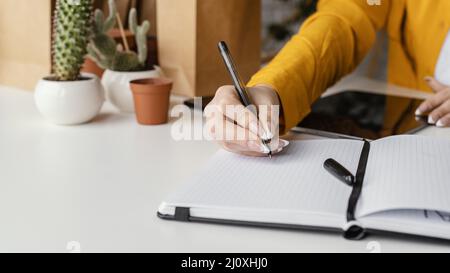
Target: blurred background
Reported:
[(280, 19), (26, 27)]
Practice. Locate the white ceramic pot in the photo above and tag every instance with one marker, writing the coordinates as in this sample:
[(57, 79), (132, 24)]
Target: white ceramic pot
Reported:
[(117, 86), (70, 102)]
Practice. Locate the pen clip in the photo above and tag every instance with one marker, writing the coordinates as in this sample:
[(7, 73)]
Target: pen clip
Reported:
[(339, 172)]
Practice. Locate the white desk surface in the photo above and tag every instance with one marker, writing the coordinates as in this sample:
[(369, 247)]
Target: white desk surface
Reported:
[(100, 184)]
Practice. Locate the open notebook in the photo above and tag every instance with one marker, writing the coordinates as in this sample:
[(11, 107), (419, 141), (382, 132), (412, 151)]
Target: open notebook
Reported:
[(403, 186)]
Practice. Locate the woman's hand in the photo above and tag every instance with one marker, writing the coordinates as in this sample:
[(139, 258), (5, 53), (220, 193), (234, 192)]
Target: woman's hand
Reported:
[(237, 129), (438, 106)]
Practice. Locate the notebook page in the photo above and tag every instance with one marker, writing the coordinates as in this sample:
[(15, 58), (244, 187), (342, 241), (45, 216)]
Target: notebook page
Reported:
[(417, 222), (294, 181), (407, 172)]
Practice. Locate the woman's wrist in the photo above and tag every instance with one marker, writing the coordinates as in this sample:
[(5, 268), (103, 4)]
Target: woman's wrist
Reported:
[(269, 91)]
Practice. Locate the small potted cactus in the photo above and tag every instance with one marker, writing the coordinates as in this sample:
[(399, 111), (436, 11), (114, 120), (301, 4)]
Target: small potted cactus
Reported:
[(121, 64), (67, 97)]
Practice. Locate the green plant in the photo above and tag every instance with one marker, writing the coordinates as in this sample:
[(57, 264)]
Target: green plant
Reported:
[(72, 28), (105, 51)]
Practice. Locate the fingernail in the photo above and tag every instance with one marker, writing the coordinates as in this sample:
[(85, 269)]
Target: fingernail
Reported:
[(285, 143), (440, 124), (418, 112), (431, 120), (267, 135)]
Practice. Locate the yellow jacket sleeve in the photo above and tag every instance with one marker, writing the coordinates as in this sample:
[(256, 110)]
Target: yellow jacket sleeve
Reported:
[(329, 45)]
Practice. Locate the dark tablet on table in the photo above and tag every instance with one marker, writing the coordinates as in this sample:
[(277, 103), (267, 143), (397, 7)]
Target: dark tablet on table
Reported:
[(357, 114)]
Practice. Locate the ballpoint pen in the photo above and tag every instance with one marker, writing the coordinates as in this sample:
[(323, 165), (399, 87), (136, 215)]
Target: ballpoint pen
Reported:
[(240, 88)]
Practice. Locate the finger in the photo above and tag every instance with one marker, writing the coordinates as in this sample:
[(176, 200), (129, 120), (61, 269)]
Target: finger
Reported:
[(234, 137), (444, 121), (267, 109), (251, 146), (265, 119), (231, 107), (435, 84), (269, 118), (244, 117), (231, 147), (433, 102), (266, 99), (439, 112), (237, 150)]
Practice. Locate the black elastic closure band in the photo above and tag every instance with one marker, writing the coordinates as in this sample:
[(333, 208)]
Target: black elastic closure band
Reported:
[(355, 233), (182, 214), (359, 180)]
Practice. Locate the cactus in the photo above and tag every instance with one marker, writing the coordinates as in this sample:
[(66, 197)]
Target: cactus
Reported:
[(140, 32), (107, 53), (72, 28)]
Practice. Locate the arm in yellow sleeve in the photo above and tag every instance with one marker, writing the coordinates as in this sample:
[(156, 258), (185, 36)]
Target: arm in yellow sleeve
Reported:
[(330, 44)]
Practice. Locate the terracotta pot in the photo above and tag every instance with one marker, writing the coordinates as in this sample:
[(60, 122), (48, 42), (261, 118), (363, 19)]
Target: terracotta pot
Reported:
[(90, 66), (117, 86), (151, 100)]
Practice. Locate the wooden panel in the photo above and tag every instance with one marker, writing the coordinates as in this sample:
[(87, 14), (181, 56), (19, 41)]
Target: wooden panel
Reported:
[(239, 24), (177, 42), (25, 44), (148, 12)]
